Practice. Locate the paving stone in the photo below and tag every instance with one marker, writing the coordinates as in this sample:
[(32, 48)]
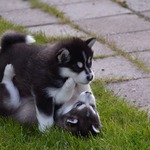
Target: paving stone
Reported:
[(146, 14), (116, 67), (29, 17), (138, 5), (63, 2), (137, 92), (143, 56), (8, 5), (136, 41), (115, 24), (101, 49), (56, 30), (91, 9)]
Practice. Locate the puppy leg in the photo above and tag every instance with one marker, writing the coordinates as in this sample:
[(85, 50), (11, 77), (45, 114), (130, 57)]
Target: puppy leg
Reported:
[(45, 104), (44, 109), (66, 92), (13, 92), (45, 121)]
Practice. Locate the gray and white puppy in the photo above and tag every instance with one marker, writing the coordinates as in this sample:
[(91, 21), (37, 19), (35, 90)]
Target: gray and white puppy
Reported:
[(78, 115)]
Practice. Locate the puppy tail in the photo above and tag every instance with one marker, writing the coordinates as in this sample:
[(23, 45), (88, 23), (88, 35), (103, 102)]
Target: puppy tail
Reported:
[(11, 38)]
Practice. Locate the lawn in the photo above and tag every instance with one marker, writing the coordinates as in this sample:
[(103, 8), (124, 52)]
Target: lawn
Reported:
[(124, 127)]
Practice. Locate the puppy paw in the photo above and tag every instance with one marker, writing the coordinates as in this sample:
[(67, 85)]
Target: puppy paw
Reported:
[(69, 84), (45, 124), (9, 72)]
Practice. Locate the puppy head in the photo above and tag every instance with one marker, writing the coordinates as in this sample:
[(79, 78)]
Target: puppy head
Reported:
[(75, 60), (82, 117)]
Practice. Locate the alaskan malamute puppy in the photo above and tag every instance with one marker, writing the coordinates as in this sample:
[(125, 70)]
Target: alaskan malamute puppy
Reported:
[(47, 71), (78, 115)]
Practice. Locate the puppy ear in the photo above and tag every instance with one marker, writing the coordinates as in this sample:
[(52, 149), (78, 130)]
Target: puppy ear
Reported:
[(63, 56), (90, 42), (95, 129)]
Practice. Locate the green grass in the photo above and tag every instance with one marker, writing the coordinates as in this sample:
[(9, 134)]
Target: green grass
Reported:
[(40, 37), (124, 127), (121, 3), (4, 26)]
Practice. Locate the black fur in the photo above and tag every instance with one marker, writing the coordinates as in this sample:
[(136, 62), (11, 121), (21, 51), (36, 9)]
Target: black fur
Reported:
[(4, 97), (37, 67), (11, 38)]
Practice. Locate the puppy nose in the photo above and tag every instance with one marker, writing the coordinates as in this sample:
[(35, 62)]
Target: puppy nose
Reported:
[(87, 92), (89, 77)]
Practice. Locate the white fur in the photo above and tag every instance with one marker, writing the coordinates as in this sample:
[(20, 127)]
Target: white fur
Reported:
[(8, 73), (81, 88), (44, 120), (89, 59), (30, 39), (65, 110), (80, 64), (14, 100), (81, 107), (79, 78), (72, 121), (87, 105), (62, 94), (87, 99), (96, 130), (94, 112)]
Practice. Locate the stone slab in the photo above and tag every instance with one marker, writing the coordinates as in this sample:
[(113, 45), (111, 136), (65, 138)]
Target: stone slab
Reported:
[(91, 9), (114, 24), (9, 5), (56, 30), (129, 42), (64, 2), (146, 14), (143, 56), (116, 67), (137, 92), (101, 50), (29, 17), (138, 5)]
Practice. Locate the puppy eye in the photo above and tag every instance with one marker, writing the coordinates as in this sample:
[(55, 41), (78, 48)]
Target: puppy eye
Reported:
[(89, 60), (77, 67), (89, 63), (93, 106), (78, 104)]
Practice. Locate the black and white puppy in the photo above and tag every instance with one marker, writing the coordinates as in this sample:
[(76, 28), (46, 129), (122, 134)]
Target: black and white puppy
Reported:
[(78, 115), (46, 71)]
